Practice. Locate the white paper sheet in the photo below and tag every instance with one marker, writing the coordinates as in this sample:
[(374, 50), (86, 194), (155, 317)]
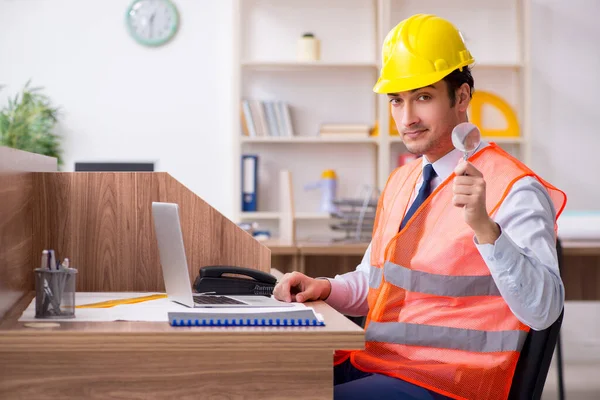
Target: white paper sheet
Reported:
[(147, 311), (152, 310)]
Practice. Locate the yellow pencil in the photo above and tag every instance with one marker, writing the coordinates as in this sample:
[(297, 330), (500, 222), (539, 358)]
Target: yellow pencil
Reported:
[(112, 303)]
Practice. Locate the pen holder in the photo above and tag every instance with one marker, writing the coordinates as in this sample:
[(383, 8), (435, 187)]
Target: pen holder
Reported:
[(55, 293)]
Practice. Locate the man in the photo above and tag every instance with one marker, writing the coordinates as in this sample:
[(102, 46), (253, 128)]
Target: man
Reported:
[(462, 261)]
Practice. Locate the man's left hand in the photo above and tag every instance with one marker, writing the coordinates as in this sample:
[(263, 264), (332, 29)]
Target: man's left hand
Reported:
[(469, 193)]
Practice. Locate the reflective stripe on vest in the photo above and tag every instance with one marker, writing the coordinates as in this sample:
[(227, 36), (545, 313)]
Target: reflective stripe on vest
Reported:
[(445, 337), (439, 285), (375, 277)]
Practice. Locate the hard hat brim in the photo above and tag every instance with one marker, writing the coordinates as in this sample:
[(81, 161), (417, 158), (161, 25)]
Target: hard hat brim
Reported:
[(384, 86)]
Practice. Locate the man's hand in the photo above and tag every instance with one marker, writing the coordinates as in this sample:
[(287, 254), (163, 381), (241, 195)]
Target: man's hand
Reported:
[(469, 193), (299, 287)]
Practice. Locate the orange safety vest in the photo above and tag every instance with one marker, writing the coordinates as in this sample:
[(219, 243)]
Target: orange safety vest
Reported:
[(436, 317)]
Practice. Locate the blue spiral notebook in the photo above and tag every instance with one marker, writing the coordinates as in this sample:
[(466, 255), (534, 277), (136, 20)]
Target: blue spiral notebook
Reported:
[(246, 317)]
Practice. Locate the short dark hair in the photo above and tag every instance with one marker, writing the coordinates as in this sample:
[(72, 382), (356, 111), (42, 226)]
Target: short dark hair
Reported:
[(456, 79)]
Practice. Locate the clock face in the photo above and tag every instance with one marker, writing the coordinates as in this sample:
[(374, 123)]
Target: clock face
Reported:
[(152, 22)]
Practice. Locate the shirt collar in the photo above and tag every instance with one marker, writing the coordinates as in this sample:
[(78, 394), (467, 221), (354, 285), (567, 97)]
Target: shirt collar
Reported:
[(445, 166)]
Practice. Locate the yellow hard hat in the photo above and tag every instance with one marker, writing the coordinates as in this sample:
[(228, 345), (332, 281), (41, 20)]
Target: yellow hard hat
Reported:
[(420, 51)]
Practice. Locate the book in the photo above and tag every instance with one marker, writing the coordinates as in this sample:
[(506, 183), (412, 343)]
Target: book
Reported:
[(281, 126), (257, 118), (249, 182), (246, 317), (266, 118), (271, 118), (345, 128), (287, 118), (341, 130), (344, 134), (248, 125)]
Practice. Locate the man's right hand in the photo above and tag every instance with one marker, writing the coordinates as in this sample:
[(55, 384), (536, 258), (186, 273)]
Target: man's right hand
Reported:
[(300, 288)]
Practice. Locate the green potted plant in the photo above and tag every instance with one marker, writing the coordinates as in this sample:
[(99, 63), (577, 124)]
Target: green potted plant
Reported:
[(28, 122)]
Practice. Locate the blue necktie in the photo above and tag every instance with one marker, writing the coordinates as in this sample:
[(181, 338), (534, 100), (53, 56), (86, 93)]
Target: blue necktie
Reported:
[(424, 192)]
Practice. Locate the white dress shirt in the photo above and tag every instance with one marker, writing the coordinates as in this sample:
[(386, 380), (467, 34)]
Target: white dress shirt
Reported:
[(522, 261)]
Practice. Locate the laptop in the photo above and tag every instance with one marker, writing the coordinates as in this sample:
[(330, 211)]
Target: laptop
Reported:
[(175, 269)]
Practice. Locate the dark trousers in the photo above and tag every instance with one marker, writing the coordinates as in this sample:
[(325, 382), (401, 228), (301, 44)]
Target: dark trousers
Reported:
[(351, 383)]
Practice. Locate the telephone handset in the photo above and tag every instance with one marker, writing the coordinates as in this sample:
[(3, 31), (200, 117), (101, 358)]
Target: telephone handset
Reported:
[(213, 279)]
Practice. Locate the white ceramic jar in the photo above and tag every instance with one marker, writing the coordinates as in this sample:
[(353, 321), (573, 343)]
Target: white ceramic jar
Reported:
[(309, 48)]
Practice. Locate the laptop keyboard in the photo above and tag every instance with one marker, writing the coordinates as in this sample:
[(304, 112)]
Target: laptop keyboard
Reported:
[(208, 299)]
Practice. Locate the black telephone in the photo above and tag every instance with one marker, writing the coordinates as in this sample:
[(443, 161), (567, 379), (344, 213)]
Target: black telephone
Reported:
[(212, 280)]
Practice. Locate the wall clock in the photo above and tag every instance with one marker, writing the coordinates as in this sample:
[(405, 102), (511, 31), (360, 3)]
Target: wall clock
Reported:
[(152, 22)]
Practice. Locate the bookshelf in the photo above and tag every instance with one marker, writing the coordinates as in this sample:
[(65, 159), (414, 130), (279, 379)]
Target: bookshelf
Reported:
[(308, 139), (303, 65), (258, 215), (338, 89), (497, 139)]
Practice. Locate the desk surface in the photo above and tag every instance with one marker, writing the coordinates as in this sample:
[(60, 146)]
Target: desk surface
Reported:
[(278, 247), (337, 328), (152, 360)]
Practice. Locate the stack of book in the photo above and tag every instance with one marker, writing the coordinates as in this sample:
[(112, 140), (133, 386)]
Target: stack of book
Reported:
[(266, 118), (344, 130)]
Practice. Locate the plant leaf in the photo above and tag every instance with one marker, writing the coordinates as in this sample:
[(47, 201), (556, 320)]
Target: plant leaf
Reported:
[(27, 123)]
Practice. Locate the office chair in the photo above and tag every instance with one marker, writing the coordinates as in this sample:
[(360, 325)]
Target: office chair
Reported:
[(536, 355), (559, 360), (534, 362)]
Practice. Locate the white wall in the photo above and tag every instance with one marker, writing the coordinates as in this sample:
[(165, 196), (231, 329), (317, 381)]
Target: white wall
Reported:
[(565, 91), (565, 62), (172, 105), (125, 102)]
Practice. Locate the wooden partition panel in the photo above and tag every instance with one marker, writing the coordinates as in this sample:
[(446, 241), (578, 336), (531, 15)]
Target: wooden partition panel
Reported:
[(103, 223), (16, 222), (581, 277)]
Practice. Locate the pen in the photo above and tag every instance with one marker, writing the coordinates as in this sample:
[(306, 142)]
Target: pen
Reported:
[(44, 263), (53, 265)]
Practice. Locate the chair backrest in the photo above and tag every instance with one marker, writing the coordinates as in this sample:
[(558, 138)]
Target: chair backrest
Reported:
[(536, 355), (534, 362)]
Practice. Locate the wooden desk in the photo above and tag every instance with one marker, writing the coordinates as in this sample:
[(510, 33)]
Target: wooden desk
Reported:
[(156, 361), (580, 270), (316, 258), (103, 223), (279, 248), (316, 248), (336, 248), (581, 247)]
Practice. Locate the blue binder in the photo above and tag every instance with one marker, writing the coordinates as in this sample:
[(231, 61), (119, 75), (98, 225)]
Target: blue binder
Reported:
[(249, 182), (233, 317)]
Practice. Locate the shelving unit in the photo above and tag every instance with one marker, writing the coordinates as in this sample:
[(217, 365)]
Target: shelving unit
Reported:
[(260, 215), (338, 89), (308, 139), (265, 215), (302, 65), (498, 140)]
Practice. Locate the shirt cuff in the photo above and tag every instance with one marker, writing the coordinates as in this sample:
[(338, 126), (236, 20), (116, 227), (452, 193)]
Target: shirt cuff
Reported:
[(499, 256), (338, 297)]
